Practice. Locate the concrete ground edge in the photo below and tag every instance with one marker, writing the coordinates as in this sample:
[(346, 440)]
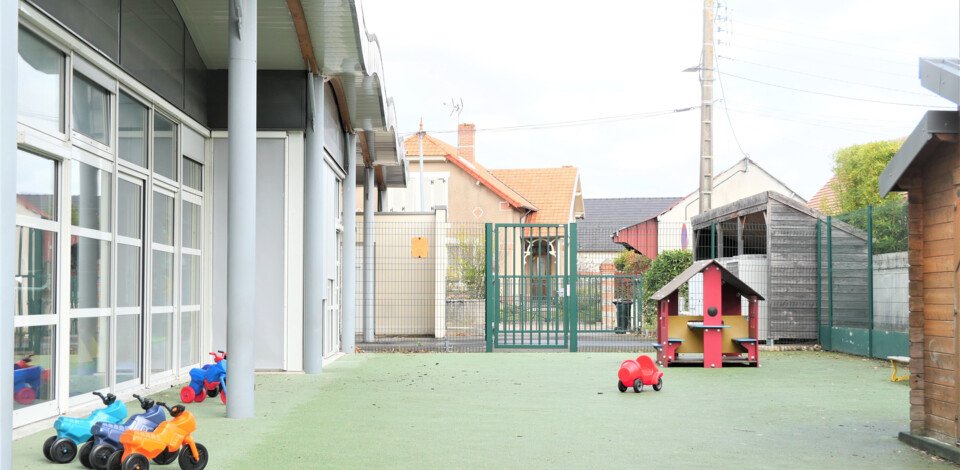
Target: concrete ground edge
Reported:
[(931, 446)]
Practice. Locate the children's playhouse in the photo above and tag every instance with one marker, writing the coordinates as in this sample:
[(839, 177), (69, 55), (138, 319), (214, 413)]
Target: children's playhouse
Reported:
[(721, 334)]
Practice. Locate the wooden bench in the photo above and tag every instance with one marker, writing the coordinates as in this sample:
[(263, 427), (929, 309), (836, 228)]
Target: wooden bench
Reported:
[(904, 362)]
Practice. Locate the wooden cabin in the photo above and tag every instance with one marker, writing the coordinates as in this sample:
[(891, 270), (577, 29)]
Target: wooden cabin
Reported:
[(928, 168), (770, 241)]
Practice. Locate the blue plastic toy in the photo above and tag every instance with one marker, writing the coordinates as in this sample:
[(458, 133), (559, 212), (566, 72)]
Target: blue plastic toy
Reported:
[(26, 381), (207, 381), (62, 448), (106, 436)]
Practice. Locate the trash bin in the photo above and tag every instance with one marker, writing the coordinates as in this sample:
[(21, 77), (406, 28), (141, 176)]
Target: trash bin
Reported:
[(623, 315)]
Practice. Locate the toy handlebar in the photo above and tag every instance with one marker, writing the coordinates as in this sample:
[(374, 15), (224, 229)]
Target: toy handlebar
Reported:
[(145, 403), (175, 411), (28, 358), (108, 399), (219, 355)]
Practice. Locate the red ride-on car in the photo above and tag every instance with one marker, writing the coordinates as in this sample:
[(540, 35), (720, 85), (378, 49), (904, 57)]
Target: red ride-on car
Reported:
[(638, 373)]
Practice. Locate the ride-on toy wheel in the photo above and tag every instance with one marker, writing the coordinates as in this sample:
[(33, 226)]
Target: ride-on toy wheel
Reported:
[(25, 396), (187, 394), (115, 462), (657, 386), (136, 462), (100, 455), (187, 462), (63, 451), (166, 457), (198, 398), (85, 453), (637, 385), (621, 387), (47, 444)]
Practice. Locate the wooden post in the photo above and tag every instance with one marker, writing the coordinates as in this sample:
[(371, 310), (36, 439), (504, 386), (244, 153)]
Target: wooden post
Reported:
[(712, 305)]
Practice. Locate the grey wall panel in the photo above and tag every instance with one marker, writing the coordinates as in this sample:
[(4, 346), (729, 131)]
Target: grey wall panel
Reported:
[(152, 46), (221, 169), (333, 139), (270, 253), (95, 21), (194, 81), (281, 99)]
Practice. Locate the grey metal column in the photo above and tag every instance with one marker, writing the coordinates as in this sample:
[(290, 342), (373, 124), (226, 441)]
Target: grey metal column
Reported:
[(8, 209), (314, 240), (348, 327), (242, 202), (369, 199)]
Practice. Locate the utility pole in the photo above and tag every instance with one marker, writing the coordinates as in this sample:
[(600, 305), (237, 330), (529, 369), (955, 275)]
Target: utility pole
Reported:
[(706, 110), (423, 191)]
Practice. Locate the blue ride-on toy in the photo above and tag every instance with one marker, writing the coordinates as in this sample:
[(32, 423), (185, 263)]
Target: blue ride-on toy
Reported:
[(26, 381), (106, 436), (207, 381), (71, 432)]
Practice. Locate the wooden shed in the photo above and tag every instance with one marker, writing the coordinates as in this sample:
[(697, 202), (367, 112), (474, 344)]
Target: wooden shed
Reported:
[(928, 168), (770, 241)]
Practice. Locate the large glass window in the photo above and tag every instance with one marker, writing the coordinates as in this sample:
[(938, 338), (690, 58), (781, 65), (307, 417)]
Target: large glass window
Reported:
[(192, 174), (165, 146), (163, 219), (90, 197), (128, 275), (91, 109), (161, 343), (89, 273), (39, 83), (191, 225), (36, 186), (34, 349), (89, 350), (132, 132), (128, 348), (162, 279), (129, 279)]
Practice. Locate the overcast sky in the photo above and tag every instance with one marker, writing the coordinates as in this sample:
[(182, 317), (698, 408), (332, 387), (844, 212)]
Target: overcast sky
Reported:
[(518, 63)]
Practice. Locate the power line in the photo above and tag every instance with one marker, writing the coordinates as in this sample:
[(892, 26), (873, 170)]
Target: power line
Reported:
[(834, 95), (578, 122), (824, 77), (727, 112), (799, 121), (855, 44), (823, 50), (833, 117), (830, 62)]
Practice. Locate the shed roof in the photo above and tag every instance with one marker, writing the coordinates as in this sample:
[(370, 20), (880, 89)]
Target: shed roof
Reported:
[(605, 216), (696, 268), (934, 128)]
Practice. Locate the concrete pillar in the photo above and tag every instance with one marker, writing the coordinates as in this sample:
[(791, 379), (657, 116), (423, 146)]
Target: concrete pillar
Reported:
[(8, 210), (348, 326), (242, 202), (369, 199), (315, 233)]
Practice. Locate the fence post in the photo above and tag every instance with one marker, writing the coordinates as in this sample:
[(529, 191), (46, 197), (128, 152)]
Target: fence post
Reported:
[(713, 241), (819, 283), (489, 276), (870, 280), (830, 280), (572, 288)]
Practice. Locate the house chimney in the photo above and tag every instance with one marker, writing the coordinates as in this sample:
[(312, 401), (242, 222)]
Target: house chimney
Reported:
[(465, 138)]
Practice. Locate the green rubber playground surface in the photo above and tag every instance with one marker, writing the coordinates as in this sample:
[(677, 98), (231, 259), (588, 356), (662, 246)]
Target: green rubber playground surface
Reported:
[(530, 410)]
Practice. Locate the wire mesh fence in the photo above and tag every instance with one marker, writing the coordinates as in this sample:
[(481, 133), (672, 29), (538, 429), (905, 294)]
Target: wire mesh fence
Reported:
[(820, 280)]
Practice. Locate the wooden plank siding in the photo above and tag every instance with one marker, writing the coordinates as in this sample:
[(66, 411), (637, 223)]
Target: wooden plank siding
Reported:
[(932, 226)]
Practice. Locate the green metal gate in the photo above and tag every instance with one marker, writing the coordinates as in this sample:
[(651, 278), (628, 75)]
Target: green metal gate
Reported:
[(531, 274)]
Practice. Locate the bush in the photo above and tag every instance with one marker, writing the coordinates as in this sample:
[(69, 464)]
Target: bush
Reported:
[(662, 270), (466, 275), (889, 225), (631, 263)]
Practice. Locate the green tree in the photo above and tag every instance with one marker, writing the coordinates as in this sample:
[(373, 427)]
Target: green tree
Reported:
[(662, 270), (889, 225), (858, 169)]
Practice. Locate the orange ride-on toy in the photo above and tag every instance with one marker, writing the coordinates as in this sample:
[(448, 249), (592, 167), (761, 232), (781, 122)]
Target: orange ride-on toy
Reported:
[(170, 440), (638, 373)]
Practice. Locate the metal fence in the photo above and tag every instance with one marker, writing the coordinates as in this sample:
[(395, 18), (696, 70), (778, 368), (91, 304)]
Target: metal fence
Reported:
[(819, 278), (863, 296)]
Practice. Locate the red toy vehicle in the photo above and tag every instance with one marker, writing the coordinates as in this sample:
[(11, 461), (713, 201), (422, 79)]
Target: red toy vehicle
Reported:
[(638, 373)]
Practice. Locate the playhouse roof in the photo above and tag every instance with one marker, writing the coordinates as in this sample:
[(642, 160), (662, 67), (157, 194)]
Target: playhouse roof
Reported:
[(695, 269)]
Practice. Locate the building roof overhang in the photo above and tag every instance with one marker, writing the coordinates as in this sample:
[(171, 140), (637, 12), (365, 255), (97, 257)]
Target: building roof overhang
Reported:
[(328, 37), (934, 128)]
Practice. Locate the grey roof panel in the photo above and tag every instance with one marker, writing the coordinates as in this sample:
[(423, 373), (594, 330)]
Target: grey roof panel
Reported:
[(941, 76), (605, 216), (693, 270), (934, 122)]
